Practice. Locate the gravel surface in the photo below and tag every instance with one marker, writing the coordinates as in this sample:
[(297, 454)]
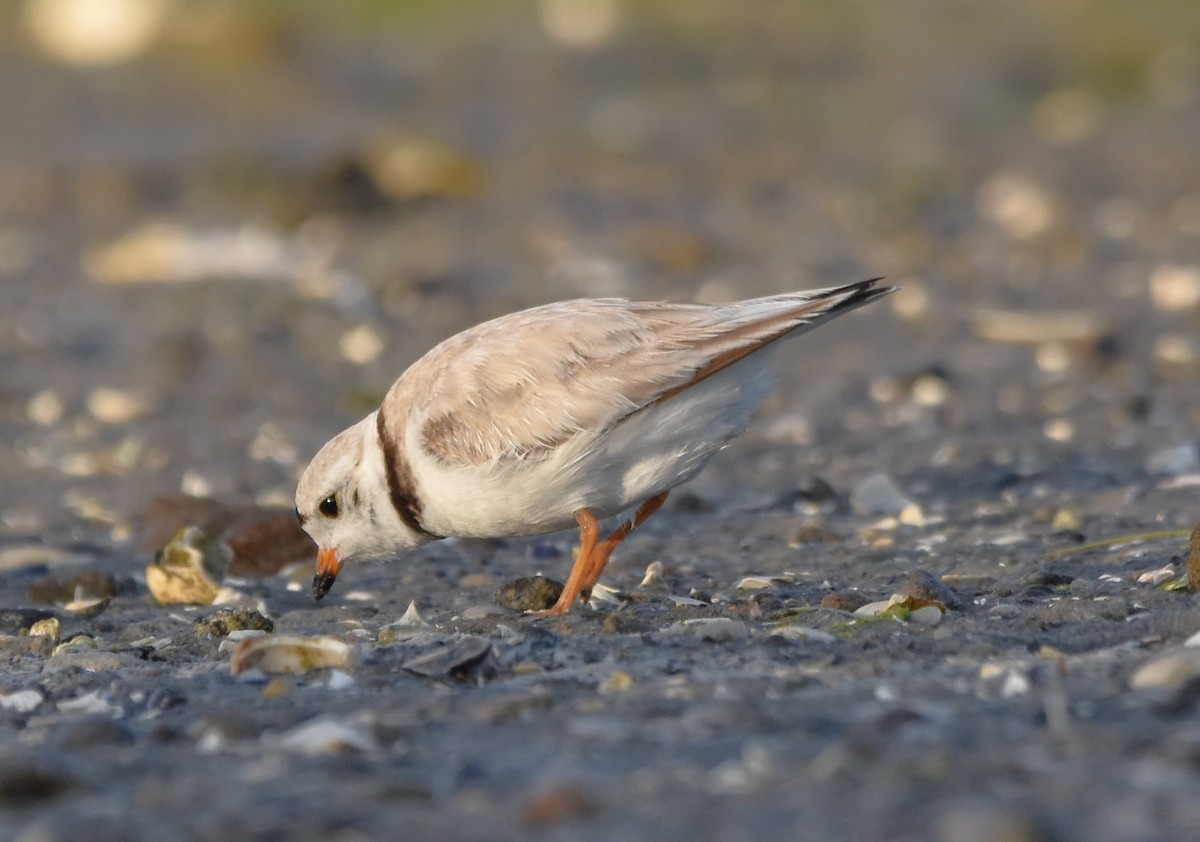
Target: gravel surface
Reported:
[(875, 616)]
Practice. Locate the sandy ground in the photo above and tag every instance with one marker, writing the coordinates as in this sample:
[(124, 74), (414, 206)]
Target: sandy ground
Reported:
[(216, 255)]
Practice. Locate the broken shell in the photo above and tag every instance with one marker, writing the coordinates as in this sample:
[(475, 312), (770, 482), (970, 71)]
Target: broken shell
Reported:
[(85, 608), (1156, 577), (50, 627), (78, 643), (654, 571), (455, 659), (412, 616), (289, 654), (189, 569)]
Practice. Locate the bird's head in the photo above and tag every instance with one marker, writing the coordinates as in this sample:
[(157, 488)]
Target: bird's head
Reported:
[(337, 503)]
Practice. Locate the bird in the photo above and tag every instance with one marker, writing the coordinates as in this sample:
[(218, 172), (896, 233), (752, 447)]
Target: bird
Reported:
[(556, 416)]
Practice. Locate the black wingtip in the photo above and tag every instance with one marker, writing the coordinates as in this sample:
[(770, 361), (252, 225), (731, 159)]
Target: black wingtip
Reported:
[(322, 582), (859, 293)]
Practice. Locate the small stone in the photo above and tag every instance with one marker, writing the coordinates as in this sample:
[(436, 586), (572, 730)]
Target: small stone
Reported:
[(878, 494), (812, 533), (24, 785), (1175, 288), (90, 704), (624, 622), (844, 600), (361, 345), (927, 615), (1066, 520), (530, 593), (221, 623), (1170, 671), (21, 701), (711, 629), (912, 515), (326, 735), (618, 682), (803, 633), (558, 804), (924, 586), (115, 406), (44, 408)]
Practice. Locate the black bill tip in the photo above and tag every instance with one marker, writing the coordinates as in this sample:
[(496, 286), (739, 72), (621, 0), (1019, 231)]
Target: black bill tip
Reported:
[(322, 582)]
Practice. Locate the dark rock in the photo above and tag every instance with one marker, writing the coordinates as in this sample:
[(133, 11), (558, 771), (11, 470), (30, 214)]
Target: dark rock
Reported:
[(531, 593), (920, 584), (221, 623)]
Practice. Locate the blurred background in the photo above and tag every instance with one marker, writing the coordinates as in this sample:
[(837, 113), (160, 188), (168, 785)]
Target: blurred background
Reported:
[(226, 226)]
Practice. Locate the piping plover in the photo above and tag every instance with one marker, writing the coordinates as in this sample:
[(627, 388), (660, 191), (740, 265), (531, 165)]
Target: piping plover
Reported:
[(549, 417)]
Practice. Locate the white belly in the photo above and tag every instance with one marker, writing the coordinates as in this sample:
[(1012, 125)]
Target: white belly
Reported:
[(651, 451)]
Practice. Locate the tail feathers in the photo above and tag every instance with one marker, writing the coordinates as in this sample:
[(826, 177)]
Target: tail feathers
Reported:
[(759, 322)]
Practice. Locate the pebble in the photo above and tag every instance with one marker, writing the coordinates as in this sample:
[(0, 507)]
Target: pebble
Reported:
[(878, 494), (222, 623), (625, 622), (529, 593), (618, 682), (1175, 288), (928, 615), (712, 629), (922, 585), (803, 633), (115, 406), (21, 701), (559, 803), (325, 735), (90, 703), (50, 628), (1170, 671)]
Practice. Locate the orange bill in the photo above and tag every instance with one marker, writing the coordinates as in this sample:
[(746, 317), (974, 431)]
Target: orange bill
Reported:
[(328, 567)]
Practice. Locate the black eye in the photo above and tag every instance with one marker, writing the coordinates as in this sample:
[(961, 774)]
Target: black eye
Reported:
[(329, 506)]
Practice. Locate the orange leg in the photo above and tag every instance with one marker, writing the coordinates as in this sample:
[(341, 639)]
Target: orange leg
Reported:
[(592, 556)]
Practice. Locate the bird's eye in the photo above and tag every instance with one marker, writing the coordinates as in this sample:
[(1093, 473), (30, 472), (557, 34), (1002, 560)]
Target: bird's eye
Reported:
[(329, 506)]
